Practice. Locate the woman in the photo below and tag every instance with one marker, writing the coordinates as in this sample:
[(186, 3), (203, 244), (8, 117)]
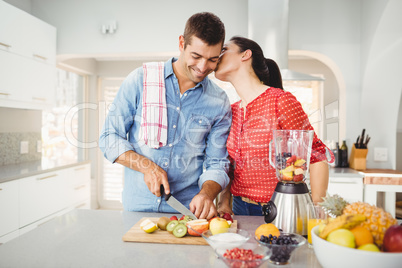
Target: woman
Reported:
[(263, 107)]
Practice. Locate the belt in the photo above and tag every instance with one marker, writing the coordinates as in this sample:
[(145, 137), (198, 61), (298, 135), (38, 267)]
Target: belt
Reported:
[(248, 200)]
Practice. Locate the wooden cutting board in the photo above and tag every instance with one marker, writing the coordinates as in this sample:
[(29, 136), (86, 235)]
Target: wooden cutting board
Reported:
[(135, 234)]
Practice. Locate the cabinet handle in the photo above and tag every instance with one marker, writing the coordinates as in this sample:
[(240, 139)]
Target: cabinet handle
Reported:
[(5, 45), (39, 56), (81, 168), (47, 177), (39, 99), (1, 189), (5, 94), (80, 187)]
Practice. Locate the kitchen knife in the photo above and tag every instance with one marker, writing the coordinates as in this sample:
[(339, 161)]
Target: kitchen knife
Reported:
[(362, 138), (174, 203)]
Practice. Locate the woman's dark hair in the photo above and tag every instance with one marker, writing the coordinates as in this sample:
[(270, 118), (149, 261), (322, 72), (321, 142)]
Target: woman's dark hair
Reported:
[(266, 69), (206, 26)]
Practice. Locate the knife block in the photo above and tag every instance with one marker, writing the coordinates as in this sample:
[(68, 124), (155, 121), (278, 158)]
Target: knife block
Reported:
[(357, 159)]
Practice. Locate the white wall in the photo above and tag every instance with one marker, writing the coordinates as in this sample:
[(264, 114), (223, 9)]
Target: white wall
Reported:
[(332, 28), (382, 80), (362, 37), (144, 27)]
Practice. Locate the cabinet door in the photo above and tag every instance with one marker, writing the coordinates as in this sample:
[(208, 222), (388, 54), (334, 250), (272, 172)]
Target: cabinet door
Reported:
[(8, 207), (11, 80), (81, 185), (23, 34), (351, 189), (10, 27), (41, 196)]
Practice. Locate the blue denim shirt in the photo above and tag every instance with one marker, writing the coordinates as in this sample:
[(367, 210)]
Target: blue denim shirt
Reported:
[(198, 127)]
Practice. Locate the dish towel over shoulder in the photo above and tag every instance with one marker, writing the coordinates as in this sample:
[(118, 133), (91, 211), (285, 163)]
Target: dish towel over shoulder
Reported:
[(154, 110)]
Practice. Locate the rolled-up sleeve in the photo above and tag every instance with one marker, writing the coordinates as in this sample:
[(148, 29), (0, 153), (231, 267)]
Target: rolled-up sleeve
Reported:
[(113, 139), (216, 162)]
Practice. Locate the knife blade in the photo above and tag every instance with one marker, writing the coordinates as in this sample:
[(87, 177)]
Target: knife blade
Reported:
[(177, 205)]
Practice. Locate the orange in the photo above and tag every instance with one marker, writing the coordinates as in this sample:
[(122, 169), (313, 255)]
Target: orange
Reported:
[(362, 236), (267, 229)]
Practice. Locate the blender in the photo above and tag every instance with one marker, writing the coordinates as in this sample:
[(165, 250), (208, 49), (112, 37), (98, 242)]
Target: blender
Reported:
[(291, 200)]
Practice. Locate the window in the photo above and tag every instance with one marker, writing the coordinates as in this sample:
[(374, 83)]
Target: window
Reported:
[(62, 125), (112, 175)]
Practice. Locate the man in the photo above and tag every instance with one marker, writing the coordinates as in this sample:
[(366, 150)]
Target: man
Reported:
[(192, 164)]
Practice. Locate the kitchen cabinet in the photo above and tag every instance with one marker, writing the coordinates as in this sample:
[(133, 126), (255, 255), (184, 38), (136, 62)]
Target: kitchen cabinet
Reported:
[(79, 178), (8, 210), (346, 183), (41, 196), (27, 60), (31, 201)]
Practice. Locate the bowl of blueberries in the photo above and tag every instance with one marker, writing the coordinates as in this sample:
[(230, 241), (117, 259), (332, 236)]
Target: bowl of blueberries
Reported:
[(282, 247)]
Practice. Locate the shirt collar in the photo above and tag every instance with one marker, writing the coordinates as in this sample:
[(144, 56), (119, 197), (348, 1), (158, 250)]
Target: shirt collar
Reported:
[(169, 72)]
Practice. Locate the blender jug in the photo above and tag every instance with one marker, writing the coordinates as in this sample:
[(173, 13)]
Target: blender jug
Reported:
[(292, 154), (289, 204)]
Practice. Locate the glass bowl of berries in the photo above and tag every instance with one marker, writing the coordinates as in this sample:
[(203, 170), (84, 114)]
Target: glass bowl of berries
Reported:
[(282, 247), (245, 256)]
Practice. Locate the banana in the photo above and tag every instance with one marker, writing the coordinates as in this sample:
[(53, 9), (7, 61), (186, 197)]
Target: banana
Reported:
[(343, 221)]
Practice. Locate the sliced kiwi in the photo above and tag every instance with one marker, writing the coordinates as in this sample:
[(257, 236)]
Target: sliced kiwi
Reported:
[(180, 230), (163, 222), (171, 225)]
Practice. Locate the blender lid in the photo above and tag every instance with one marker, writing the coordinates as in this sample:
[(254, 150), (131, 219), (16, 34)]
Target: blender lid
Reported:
[(291, 188)]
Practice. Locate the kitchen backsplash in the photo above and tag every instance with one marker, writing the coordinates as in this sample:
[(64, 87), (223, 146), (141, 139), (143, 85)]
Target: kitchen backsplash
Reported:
[(10, 147)]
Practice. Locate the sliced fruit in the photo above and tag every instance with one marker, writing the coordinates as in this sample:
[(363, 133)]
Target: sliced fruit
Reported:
[(297, 178), (299, 171), (287, 176), (291, 159), (174, 218), (163, 222), (299, 162), (197, 227), (180, 230), (145, 222), (171, 225), (149, 227), (288, 169)]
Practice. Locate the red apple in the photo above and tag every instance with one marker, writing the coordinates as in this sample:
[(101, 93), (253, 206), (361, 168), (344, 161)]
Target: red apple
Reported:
[(393, 239), (197, 227), (227, 217)]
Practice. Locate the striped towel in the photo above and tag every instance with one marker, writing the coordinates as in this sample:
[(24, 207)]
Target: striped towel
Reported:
[(154, 110)]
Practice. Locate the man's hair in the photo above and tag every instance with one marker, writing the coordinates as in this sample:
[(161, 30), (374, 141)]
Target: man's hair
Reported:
[(206, 26)]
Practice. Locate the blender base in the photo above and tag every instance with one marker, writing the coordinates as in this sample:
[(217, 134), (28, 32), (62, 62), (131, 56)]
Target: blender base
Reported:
[(291, 202)]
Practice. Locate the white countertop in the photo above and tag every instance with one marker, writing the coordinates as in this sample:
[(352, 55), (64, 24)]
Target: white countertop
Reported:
[(26, 169), (93, 238)]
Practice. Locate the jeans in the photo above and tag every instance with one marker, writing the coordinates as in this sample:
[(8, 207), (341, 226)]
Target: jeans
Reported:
[(243, 208)]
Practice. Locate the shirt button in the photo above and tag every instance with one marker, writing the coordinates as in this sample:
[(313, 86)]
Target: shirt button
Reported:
[(174, 126), (166, 164), (200, 121), (159, 201), (178, 108), (170, 145), (185, 94)]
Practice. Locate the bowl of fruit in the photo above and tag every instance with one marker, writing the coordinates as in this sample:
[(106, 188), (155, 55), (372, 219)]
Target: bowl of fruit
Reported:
[(282, 246), (249, 255), (358, 234), (330, 253)]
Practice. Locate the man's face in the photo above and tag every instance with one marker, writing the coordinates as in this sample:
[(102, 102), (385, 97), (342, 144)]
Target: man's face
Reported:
[(199, 59)]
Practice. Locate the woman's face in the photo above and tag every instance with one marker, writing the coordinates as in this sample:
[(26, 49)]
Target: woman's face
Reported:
[(229, 62)]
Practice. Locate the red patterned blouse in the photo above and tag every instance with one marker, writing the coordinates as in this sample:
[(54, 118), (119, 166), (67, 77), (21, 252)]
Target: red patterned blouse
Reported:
[(248, 141)]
